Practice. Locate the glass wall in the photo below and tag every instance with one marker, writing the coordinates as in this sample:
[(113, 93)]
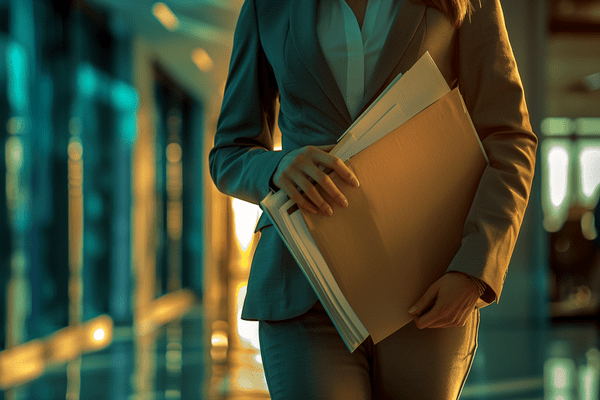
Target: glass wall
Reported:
[(73, 324)]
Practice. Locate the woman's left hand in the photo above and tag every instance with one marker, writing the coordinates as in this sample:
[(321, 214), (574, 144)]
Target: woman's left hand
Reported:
[(447, 303)]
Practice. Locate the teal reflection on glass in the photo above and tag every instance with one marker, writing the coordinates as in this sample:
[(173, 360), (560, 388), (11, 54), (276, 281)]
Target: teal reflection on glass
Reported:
[(128, 128), (123, 96), (16, 58), (87, 80)]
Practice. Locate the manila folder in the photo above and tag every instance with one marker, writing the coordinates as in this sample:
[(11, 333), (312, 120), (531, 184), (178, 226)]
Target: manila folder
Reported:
[(404, 224)]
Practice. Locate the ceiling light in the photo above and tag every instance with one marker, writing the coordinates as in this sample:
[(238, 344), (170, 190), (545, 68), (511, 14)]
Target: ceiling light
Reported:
[(166, 17), (202, 60)]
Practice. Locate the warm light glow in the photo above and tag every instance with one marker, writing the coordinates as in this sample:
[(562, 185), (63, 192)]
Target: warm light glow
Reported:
[(219, 339), (16, 125), (21, 364), (14, 153), (203, 60), (248, 377), (174, 152), (588, 225), (64, 345), (96, 334), (75, 150), (589, 161), (558, 174), (246, 215), (166, 17), (165, 309), (247, 330), (99, 334)]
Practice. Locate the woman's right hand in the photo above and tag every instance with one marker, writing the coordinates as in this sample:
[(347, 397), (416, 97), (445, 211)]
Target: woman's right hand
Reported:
[(300, 170)]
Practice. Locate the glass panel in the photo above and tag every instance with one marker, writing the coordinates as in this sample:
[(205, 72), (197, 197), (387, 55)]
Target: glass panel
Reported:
[(587, 126), (557, 126)]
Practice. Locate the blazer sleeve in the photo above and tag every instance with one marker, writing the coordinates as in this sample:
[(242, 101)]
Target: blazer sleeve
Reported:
[(492, 89), (242, 161)]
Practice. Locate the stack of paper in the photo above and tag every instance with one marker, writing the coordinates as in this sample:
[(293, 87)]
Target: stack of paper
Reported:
[(419, 161)]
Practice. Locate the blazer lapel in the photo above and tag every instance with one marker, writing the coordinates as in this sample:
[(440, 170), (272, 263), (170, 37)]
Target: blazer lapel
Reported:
[(303, 27), (403, 29)]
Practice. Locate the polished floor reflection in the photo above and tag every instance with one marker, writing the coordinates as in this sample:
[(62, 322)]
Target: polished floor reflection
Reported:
[(557, 361)]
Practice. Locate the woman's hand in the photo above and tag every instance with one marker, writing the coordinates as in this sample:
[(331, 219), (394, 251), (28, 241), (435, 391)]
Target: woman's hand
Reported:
[(447, 303), (300, 170)]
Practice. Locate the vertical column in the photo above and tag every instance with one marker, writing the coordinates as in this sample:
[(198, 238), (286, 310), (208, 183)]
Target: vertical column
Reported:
[(75, 153), (538, 40), (75, 215), (125, 101), (174, 184), (143, 222), (20, 61)]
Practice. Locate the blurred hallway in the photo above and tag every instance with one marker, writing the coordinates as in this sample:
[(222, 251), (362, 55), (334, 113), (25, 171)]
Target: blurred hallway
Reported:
[(123, 270)]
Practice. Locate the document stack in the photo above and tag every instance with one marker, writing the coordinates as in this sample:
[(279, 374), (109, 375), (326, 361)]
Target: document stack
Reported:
[(419, 160)]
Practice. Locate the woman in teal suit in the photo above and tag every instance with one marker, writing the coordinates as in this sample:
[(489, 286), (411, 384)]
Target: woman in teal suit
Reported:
[(324, 62)]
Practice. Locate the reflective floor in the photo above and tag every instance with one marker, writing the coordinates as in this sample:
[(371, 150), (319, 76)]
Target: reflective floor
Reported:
[(514, 361)]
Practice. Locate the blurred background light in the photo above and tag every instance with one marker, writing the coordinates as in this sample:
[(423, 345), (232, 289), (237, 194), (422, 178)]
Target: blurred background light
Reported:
[(557, 126), (247, 330), (123, 96), (174, 152), (588, 126), (17, 77), (588, 226), (87, 80), (21, 363), (558, 173), (163, 13), (203, 60), (75, 149), (589, 164), (16, 125), (14, 153), (559, 373), (245, 215)]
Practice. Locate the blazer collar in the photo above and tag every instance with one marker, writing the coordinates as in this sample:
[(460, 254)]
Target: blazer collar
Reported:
[(303, 27), (403, 29)]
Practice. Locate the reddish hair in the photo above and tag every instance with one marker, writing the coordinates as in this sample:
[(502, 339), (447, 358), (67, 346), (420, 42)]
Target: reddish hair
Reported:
[(455, 10)]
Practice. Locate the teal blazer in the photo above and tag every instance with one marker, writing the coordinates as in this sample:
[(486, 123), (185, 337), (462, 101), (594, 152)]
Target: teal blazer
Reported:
[(278, 73)]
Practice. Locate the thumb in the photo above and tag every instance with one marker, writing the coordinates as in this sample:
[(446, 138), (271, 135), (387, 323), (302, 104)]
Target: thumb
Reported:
[(425, 302)]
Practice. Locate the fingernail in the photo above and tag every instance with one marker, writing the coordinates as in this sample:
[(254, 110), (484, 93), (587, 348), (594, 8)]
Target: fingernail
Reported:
[(329, 211), (412, 309), (344, 202), (355, 183)]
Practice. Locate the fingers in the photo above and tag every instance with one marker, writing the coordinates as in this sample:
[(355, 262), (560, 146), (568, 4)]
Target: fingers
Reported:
[(301, 169), (298, 198), (441, 316), (451, 306), (337, 165), (425, 304)]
